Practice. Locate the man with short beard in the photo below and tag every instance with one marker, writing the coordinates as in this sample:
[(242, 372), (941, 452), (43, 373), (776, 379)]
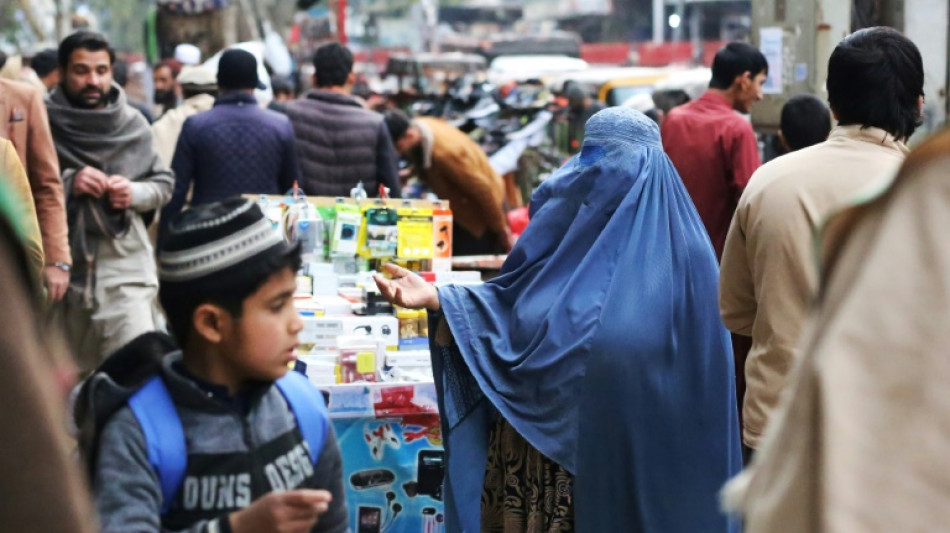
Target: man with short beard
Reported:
[(167, 92), (114, 182)]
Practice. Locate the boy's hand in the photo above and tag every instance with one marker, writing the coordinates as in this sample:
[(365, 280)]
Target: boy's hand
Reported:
[(294, 511)]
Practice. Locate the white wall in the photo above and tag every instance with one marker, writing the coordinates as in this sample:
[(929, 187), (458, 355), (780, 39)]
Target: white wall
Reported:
[(925, 22)]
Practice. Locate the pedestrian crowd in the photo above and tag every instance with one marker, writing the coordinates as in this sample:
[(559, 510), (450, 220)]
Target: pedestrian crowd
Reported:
[(684, 339)]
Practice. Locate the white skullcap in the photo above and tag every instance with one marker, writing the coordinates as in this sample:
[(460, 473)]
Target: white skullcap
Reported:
[(197, 76), (187, 54), (642, 102)]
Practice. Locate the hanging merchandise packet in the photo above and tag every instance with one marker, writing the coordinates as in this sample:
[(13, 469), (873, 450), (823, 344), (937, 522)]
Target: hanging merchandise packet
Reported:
[(346, 229), (379, 233), (442, 238), (415, 233)]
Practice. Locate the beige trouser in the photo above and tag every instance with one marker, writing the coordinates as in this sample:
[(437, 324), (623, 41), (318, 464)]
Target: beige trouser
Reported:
[(122, 313)]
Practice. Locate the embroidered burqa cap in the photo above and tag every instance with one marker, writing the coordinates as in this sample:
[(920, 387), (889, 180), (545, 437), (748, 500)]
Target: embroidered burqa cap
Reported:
[(601, 344)]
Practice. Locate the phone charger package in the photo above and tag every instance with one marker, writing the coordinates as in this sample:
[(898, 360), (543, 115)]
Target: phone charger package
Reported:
[(324, 332)]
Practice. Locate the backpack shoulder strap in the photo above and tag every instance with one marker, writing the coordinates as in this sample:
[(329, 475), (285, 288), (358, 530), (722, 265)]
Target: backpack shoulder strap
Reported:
[(309, 409), (152, 405)]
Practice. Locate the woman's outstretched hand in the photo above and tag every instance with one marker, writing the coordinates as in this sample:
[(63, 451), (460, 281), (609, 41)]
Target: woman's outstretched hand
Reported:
[(406, 289)]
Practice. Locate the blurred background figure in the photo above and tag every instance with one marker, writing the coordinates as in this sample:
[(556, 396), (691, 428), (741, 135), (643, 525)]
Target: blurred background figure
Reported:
[(806, 121), (10, 67), (187, 54), (167, 93), (457, 170), (199, 87), (14, 177), (580, 107), (283, 92), (45, 65), (120, 74)]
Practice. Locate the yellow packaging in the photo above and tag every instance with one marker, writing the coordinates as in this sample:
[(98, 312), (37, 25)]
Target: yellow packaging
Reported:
[(415, 234), (408, 323), (366, 362), (423, 323)]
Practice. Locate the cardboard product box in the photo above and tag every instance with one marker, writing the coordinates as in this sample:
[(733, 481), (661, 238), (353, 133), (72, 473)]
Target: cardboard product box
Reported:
[(323, 332), (320, 368), (415, 343)]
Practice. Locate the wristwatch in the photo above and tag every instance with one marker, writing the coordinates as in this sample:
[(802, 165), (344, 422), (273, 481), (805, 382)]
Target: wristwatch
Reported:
[(65, 267)]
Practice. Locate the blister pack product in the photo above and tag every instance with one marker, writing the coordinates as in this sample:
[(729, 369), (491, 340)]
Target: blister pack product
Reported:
[(328, 216), (379, 234), (305, 225), (273, 210), (415, 233), (442, 239), (346, 229)]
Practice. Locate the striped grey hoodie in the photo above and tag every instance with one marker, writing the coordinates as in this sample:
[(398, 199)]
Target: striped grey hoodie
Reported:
[(237, 452)]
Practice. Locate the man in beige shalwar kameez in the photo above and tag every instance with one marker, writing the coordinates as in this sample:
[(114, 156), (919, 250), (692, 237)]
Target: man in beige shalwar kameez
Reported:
[(768, 279), (862, 440)]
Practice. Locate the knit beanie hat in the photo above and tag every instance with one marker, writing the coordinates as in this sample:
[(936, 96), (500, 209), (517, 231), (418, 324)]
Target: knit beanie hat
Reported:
[(216, 246), (237, 69)]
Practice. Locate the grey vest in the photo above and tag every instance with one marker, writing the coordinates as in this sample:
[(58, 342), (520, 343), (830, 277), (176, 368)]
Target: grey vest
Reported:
[(337, 143)]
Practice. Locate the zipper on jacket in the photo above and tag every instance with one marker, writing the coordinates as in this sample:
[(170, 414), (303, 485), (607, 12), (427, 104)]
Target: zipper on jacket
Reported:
[(258, 487)]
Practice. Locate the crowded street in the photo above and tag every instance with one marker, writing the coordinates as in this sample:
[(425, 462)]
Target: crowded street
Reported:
[(503, 266)]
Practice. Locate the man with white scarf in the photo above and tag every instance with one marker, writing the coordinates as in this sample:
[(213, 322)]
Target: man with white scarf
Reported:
[(114, 181)]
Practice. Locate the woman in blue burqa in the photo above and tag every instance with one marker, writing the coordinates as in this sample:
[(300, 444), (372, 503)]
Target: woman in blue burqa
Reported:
[(590, 386)]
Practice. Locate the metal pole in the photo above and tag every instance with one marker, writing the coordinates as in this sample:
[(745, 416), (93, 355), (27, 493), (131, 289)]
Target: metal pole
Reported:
[(695, 38), (659, 24), (946, 84), (681, 11)]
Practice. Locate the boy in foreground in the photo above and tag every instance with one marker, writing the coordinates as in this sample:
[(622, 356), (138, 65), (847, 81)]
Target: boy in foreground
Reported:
[(227, 284)]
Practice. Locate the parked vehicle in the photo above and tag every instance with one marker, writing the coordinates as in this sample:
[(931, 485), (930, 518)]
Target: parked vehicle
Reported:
[(519, 68), (613, 85)]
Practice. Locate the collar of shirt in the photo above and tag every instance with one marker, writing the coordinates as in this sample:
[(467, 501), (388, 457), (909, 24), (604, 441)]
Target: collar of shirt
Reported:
[(240, 402), (333, 97), (869, 134), (235, 98), (712, 99), (426, 144)]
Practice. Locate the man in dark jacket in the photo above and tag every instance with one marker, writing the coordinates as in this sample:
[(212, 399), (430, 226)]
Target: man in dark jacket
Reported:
[(340, 143), (236, 147)]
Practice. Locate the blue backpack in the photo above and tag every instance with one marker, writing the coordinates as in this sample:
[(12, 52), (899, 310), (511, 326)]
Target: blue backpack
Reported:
[(165, 438)]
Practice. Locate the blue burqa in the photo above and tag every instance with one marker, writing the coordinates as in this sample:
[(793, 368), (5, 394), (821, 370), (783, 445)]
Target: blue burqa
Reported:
[(601, 344)]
